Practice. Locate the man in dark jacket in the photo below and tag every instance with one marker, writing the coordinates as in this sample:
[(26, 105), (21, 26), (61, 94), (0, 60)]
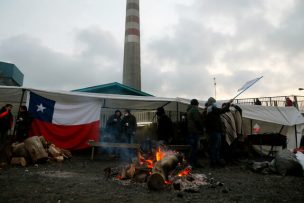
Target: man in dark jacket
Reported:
[(6, 123), (24, 121), (164, 126), (214, 129), (113, 126), (195, 130), (128, 126)]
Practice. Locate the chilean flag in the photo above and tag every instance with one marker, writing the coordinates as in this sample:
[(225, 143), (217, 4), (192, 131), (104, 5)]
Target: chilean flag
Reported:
[(68, 122)]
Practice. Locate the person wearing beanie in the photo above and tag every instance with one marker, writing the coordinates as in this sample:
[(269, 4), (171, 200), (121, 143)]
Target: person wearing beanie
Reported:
[(195, 127), (214, 129)]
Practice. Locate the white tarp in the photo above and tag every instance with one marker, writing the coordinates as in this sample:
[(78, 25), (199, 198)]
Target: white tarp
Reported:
[(112, 101), (288, 116), (285, 120)]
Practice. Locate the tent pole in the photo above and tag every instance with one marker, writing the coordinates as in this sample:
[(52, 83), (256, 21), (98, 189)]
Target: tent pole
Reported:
[(161, 106), (20, 103), (251, 126), (281, 129), (177, 113), (296, 136)]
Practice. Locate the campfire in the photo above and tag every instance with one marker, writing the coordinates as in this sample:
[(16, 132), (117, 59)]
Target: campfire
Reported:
[(159, 167)]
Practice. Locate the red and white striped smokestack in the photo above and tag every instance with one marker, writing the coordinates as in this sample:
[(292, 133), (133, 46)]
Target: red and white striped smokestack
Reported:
[(131, 66)]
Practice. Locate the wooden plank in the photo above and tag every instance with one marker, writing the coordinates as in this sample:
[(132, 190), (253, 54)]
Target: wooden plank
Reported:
[(92, 154), (128, 145), (179, 147), (113, 145)]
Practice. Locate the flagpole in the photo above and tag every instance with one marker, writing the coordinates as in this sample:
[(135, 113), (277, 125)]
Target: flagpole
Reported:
[(246, 89)]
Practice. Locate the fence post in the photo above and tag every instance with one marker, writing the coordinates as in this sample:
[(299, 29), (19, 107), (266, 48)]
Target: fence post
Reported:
[(296, 102)]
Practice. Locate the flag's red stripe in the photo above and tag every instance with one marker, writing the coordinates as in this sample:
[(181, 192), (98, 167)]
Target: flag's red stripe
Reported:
[(68, 137)]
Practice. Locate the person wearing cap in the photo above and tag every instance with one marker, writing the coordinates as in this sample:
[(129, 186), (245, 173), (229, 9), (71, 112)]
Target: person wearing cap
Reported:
[(195, 129), (214, 129), (164, 126)]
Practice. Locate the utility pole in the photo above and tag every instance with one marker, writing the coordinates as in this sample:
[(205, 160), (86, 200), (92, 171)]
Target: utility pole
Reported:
[(214, 83)]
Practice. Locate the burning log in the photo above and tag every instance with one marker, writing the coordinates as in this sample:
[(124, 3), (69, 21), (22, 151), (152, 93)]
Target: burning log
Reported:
[(160, 172), (127, 172), (34, 146), (141, 177)]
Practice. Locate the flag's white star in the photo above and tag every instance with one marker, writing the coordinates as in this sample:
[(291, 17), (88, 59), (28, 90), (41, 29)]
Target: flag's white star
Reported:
[(40, 108)]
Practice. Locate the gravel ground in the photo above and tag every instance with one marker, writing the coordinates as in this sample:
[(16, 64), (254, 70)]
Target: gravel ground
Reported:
[(82, 180)]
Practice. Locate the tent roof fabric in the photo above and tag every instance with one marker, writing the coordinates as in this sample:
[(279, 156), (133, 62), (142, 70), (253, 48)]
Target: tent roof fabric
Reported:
[(111, 101), (288, 116), (113, 88)]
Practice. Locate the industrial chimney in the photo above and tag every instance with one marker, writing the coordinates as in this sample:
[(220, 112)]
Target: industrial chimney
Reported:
[(131, 65)]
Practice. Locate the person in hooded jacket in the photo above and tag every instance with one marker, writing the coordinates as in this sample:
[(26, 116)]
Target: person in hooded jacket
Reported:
[(195, 127), (214, 129)]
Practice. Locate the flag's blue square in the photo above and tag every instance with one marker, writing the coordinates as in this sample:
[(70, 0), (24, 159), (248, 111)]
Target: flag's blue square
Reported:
[(41, 107)]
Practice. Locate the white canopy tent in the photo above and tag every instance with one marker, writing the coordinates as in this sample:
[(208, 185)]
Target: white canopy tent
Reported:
[(286, 120), (110, 102), (271, 119)]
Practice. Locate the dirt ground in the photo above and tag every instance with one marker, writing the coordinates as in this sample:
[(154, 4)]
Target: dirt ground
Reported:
[(82, 180)]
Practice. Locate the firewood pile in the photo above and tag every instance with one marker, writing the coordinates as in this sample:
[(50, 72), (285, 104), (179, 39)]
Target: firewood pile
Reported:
[(161, 169), (37, 150)]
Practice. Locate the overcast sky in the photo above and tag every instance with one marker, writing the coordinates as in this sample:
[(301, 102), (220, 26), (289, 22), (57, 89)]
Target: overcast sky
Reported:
[(70, 44)]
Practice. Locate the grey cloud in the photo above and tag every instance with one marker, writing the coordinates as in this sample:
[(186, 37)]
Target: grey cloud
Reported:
[(45, 68), (194, 47), (98, 43), (289, 36)]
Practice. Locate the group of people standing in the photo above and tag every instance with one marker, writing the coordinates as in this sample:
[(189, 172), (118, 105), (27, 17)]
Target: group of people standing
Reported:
[(209, 122), (23, 124), (121, 127)]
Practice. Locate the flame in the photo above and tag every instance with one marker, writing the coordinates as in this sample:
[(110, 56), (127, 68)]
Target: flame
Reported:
[(159, 154), (149, 163), (168, 182), (185, 172)]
